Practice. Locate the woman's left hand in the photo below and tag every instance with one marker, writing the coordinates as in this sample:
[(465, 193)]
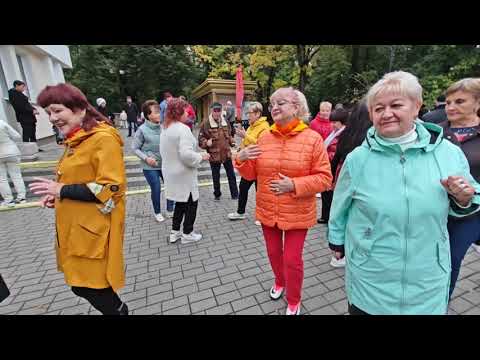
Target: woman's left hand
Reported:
[(284, 185), (43, 186), (459, 188), (240, 131)]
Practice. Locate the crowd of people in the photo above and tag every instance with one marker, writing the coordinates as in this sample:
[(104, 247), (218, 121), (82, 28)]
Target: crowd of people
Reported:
[(400, 192)]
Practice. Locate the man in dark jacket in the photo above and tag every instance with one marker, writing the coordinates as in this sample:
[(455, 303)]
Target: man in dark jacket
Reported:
[(215, 137), (132, 115), (24, 111), (438, 114)]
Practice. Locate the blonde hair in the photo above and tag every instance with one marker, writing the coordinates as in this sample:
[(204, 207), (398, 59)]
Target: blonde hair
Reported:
[(298, 98), (255, 107), (329, 104), (470, 85), (397, 82)]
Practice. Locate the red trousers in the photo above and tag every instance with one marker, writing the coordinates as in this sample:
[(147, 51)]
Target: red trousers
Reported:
[(286, 259)]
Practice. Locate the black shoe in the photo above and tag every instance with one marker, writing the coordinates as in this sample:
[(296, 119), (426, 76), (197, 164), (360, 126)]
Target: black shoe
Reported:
[(123, 309), (321, 221), (217, 198), (40, 150)]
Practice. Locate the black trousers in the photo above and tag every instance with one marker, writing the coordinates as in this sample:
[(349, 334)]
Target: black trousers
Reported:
[(243, 196), (327, 197), (130, 124), (29, 132), (232, 181), (187, 210), (104, 300), (353, 310)]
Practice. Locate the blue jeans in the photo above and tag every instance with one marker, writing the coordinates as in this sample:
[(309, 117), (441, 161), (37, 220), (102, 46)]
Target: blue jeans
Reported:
[(463, 233), (153, 178)]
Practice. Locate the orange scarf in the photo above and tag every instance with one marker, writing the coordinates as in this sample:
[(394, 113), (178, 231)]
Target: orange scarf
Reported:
[(286, 129), (73, 132)]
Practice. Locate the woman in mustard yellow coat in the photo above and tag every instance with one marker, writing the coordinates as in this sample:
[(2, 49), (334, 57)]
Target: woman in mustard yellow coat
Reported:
[(89, 198)]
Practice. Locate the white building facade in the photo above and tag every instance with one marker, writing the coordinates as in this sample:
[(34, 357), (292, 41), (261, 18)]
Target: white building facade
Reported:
[(37, 66)]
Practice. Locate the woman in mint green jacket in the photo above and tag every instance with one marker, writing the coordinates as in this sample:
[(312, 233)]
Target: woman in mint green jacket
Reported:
[(391, 204)]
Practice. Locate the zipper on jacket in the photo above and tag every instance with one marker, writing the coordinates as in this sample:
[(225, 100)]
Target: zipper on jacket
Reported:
[(402, 161)]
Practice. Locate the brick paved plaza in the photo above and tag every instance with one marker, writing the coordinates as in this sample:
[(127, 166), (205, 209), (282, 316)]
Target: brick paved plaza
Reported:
[(227, 272)]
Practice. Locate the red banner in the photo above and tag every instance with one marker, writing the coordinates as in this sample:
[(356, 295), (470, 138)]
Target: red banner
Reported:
[(239, 92)]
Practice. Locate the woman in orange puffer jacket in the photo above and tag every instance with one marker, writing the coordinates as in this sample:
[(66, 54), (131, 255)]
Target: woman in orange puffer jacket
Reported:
[(291, 165)]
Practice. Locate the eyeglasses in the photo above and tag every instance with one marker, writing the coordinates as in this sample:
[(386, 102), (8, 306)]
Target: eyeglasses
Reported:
[(279, 103)]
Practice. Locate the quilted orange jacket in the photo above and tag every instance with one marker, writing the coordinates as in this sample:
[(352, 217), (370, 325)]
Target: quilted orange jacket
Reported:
[(300, 155)]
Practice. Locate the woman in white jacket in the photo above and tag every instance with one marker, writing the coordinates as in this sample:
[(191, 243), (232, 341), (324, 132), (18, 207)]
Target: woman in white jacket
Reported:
[(9, 164), (179, 167)]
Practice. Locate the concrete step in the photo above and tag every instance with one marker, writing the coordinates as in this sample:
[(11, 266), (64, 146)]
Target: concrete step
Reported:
[(135, 177)]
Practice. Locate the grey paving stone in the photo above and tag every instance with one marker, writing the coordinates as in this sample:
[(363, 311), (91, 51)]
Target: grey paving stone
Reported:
[(219, 290), (472, 297), (326, 310), (224, 309), (155, 309), (315, 290), (246, 282), (59, 305), (209, 284), (459, 305), (243, 303), (182, 310), (159, 297), (184, 282), (28, 296), (254, 310), (335, 284), (228, 297), (206, 276), (40, 302), (230, 278), (473, 311), (203, 305), (174, 303), (251, 290), (200, 295)]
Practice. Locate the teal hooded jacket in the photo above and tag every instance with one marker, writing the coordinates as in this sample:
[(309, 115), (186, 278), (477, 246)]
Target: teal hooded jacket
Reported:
[(390, 212)]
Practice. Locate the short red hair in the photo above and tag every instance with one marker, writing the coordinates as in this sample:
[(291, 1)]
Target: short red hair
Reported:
[(175, 110), (73, 98)]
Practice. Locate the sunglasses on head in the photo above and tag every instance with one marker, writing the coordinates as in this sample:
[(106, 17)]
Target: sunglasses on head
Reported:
[(217, 110)]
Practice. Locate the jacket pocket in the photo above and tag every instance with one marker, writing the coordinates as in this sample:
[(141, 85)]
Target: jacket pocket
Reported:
[(89, 240), (443, 258), (361, 250)]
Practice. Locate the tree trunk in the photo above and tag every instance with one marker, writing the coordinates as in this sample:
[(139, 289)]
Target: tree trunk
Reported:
[(301, 63)]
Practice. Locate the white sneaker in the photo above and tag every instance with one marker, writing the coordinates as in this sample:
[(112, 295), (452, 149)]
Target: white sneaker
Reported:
[(337, 263), (21, 201), (175, 235), (276, 292), (236, 216), (318, 195), (258, 223), (293, 310), (159, 217), (192, 237), (476, 248), (8, 203), (169, 214)]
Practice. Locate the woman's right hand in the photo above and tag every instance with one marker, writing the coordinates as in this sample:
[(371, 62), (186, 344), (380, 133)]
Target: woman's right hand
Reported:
[(209, 142), (205, 156), (151, 161), (47, 201), (249, 153)]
